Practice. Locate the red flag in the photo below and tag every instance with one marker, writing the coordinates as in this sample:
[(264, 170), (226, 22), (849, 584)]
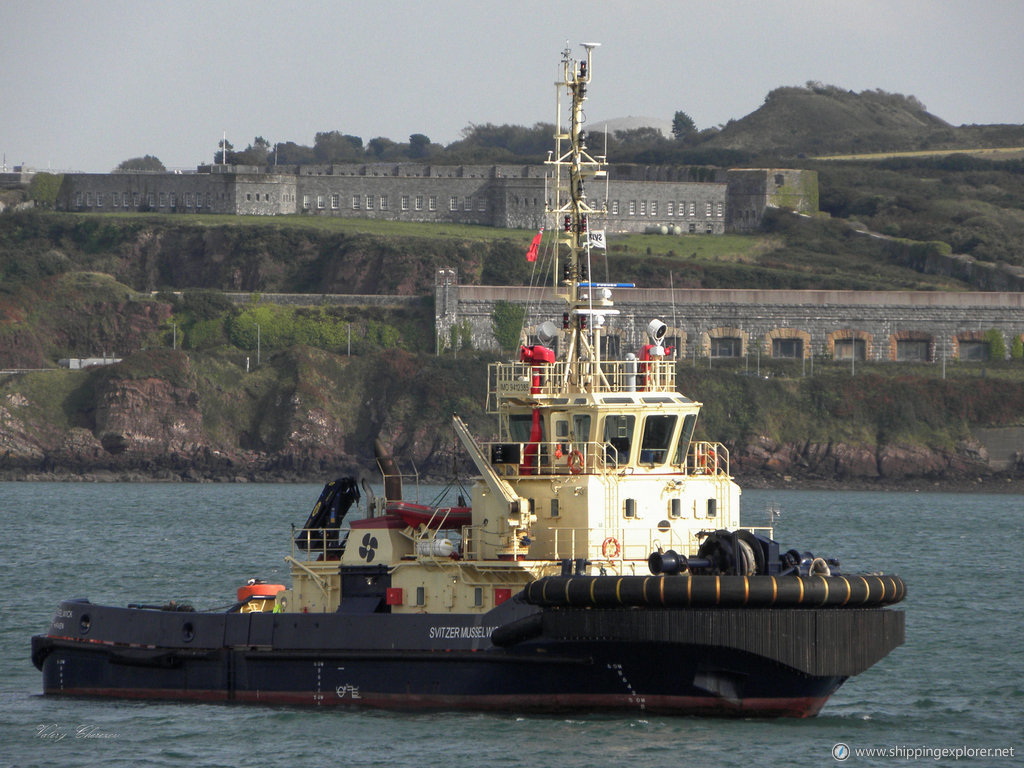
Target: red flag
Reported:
[(531, 255)]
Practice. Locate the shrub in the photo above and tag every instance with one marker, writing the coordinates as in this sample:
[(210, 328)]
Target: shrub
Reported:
[(508, 324), (996, 344)]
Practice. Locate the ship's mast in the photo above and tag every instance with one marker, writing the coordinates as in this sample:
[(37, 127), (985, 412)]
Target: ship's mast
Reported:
[(573, 217)]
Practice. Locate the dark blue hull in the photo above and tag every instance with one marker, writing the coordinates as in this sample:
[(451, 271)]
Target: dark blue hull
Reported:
[(720, 662)]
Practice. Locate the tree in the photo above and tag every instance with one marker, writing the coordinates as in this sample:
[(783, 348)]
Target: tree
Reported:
[(419, 146), (996, 344), (224, 152), (683, 126), (335, 146), (290, 153), (147, 163), (498, 142), (379, 147), (257, 153), (44, 187)]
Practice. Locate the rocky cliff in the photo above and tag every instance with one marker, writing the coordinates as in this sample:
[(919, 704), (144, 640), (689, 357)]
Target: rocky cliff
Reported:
[(310, 415), (166, 415)]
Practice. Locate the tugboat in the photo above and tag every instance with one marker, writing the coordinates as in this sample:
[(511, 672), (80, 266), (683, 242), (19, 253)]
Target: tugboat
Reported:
[(600, 566)]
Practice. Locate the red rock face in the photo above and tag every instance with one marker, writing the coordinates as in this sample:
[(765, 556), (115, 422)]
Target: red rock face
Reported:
[(149, 417)]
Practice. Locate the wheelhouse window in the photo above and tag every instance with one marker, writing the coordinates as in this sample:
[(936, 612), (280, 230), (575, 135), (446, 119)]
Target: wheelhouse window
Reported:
[(520, 426), (618, 434), (580, 428), (657, 439), (685, 435)]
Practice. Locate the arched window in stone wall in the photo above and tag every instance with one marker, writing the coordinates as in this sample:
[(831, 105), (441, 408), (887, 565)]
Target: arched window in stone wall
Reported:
[(912, 347), (788, 343), (611, 345), (971, 346), (675, 342), (725, 341), (848, 343)]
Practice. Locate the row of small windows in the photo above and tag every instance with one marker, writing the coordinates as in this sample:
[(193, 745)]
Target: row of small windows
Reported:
[(377, 202), (467, 203), (164, 199), (907, 350), (672, 208), (382, 203)]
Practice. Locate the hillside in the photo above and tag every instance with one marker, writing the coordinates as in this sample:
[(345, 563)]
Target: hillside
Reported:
[(308, 414), (198, 397), (823, 119)]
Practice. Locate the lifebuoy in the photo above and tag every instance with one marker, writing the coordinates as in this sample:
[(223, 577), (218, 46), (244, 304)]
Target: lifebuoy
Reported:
[(576, 462), (613, 544)]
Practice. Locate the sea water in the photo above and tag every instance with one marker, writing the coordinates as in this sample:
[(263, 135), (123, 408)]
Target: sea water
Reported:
[(952, 695)]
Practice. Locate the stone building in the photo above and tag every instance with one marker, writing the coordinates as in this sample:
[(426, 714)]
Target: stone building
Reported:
[(910, 326), (637, 198), (222, 189)]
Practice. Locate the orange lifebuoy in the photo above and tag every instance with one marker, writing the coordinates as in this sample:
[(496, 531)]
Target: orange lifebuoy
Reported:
[(613, 544), (576, 462)]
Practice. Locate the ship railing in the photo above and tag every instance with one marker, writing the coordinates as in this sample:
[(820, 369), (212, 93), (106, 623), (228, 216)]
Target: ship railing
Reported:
[(707, 458), (519, 380), (615, 547), (318, 543), (553, 457), (476, 537), (702, 458)]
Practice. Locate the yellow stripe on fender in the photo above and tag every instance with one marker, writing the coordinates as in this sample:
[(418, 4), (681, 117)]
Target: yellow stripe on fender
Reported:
[(849, 590)]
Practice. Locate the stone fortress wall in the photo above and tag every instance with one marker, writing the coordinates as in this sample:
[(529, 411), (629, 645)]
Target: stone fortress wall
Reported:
[(913, 326), (898, 325), (638, 198)]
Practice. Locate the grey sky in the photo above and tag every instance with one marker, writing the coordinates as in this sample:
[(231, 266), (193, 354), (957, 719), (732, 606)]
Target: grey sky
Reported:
[(84, 85)]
